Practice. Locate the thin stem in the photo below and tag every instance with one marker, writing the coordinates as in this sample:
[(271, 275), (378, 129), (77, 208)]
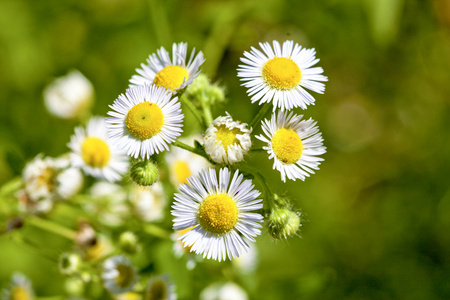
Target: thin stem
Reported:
[(194, 110), (52, 227), (193, 150), (207, 113), (257, 150), (262, 112), (267, 194)]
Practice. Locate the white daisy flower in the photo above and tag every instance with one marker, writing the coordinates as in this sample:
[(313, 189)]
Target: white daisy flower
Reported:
[(48, 180), (70, 96), (93, 151), (281, 75), (119, 275), (149, 202), (227, 141), (108, 203), (172, 74), (144, 120), (160, 288), (223, 291), (20, 288), (220, 211), (293, 144), (183, 164)]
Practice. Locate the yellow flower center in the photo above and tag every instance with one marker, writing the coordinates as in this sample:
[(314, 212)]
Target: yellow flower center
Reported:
[(218, 214), (157, 291), (95, 152), (227, 136), (47, 178), (171, 77), (125, 276), (282, 73), (19, 293), (287, 145), (144, 120), (182, 171)]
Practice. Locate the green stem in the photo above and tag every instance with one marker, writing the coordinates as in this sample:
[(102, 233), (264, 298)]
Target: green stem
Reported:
[(193, 150), (52, 227), (262, 112), (258, 150), (11, 186), (194, 110), (267, 194), (207, 113), (156, 231)]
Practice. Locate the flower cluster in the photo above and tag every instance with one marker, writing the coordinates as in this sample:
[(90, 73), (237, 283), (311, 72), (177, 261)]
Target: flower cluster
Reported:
[(136, 155)]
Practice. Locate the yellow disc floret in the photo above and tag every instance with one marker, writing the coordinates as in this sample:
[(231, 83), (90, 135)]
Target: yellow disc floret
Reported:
[(182, 171), (287, 145), (228, 136), (157, 291), (95, 152), (218, 214), (282, 73), (125, 276), (19, 293), (144, 120), (171, 77)]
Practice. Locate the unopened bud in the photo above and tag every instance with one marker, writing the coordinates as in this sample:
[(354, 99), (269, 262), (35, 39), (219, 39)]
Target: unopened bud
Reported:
[(69, 263), (128, 242), (203, 91), (283, 223), (144, 172)]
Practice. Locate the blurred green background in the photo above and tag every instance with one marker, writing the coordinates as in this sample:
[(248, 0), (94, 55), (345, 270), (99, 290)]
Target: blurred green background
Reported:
[(377, 213)]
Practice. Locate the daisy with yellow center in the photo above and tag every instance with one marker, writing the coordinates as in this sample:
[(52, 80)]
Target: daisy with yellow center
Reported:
[(119, 275), (173, 74), (145, 120), (293, 144), (227, 141), (220, 212), (19, 289), (281, 74), (94, 152), (160, 288), (184, 164)]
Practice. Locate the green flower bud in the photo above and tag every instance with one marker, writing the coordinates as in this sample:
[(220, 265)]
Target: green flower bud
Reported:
[(202, 91), (283, 223), (74, 286), (144, 172), (128, 242), (69, 263)]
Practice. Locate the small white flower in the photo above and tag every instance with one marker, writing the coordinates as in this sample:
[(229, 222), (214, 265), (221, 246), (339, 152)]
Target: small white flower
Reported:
[(93, 151), (293, 144), (119, 275), (227, 141), (220, 211), (173, 74), (149, 202), (281, 75), (70, 96), (223, 291), (20, 288), (108, 203), (48, 180), (160, 288), (183, 164), (145, 120)]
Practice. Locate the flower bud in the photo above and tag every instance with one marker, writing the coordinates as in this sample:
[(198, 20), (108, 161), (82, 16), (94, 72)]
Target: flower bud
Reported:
[(283, 223), (203, 91), (128, 242), (69, 263), (144, 172)]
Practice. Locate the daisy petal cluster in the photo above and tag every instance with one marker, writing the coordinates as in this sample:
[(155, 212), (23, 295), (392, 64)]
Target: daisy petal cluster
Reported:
[(227, 141), (145, 120), (220, 210), (293, 144), (172, 74), (281, 75)]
